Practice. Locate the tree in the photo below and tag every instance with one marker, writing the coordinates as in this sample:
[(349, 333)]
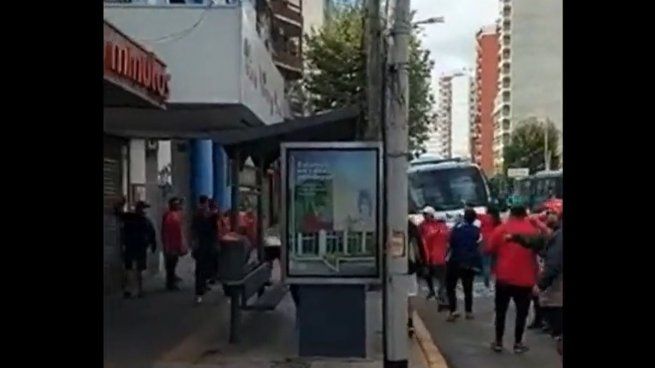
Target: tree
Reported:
[(336, 72), (526, 148)]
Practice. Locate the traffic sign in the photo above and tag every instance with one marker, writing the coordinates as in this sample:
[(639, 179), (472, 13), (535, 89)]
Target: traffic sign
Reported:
[(519, 172)]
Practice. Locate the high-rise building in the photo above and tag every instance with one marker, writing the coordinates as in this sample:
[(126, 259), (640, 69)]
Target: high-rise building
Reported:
[(530, 62), (486, 89), (454, 115), (280, 24), (433, 143)]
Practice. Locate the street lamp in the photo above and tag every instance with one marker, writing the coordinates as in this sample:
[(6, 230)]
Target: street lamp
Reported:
[(432, 20)]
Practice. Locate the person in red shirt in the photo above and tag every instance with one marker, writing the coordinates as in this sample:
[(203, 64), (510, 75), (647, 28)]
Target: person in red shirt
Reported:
[(489, 221), (434, 237), (516, 272), (172, 238)]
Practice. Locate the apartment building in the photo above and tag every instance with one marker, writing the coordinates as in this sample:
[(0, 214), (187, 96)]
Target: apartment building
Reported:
[(485, 91), (530, 62)]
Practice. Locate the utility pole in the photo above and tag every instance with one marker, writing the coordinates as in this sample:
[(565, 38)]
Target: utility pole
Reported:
[(396, 280), (546, 153), (373, 38)]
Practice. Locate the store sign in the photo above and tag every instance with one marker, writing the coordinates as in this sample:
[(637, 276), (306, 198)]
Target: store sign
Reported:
[(332, 211), (258, 78), (131, 66)]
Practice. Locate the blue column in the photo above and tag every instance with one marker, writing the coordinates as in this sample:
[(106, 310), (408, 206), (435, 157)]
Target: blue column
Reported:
[(221, 172), (202, 169)]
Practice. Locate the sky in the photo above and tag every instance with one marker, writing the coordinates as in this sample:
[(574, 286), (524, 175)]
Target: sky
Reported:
[(452, 44)]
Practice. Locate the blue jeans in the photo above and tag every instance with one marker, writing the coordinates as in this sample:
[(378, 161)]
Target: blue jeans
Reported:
[(486, 269)]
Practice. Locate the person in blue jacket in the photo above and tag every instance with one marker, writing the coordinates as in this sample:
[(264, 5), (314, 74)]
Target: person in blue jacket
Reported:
[(464, 261)]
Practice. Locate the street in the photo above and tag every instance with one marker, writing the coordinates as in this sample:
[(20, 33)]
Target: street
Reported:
[(465, 344)]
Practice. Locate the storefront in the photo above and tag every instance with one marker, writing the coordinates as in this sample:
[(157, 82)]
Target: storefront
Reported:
[(132, 77)]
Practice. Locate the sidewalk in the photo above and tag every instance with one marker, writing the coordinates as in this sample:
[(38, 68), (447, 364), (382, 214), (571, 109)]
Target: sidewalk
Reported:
[(165, 330)]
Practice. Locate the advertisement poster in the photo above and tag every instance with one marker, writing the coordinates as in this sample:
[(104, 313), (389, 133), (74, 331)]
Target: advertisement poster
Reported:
[(332, 212)]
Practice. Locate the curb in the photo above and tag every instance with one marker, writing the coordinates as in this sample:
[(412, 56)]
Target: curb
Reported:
[(430, 351)]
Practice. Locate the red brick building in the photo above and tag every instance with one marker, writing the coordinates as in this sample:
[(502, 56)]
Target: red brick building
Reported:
[(486, 84)]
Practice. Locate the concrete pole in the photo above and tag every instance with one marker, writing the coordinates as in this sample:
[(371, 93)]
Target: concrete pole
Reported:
[(396, 151), (546, 153), (374, 69)]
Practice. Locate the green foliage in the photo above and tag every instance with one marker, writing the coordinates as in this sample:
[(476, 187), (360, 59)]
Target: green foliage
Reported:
[(336, 71), (526, 148)]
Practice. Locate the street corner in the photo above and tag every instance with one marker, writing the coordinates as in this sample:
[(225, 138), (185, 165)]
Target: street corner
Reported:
[(432, 357)]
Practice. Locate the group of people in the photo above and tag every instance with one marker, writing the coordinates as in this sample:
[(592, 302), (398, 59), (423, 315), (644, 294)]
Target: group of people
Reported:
[(524, 253), (210, 229)]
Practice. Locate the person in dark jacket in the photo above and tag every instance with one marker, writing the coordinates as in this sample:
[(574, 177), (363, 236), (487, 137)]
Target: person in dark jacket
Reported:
[(138, 235), (464, 261), (205, 234)]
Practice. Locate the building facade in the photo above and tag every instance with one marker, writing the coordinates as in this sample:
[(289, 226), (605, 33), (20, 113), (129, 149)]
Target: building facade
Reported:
[(454, 114), (225, 77), (485, 90), (433, 144), (443, 125), (531, 68)]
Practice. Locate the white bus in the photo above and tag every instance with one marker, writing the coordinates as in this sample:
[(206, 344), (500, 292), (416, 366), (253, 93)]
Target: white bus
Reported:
[(447, 185)]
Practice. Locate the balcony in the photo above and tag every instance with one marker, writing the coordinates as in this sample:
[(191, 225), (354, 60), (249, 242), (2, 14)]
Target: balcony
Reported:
[(288, 59), (506, 84), (506, 125), (287, 11), (507, 10), (505, 110)]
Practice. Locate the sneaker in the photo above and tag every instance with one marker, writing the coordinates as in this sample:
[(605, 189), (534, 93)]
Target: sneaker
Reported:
[(198, 300), (127, 295), (431, 294), (520, 348), (452, 317), (497, 347), (470, 316)]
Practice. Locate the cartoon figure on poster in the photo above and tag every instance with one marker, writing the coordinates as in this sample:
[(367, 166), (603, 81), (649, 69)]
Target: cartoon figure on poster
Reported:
[(364, 219)]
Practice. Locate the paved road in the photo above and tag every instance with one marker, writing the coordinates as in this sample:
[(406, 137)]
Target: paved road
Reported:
[(465, 344)]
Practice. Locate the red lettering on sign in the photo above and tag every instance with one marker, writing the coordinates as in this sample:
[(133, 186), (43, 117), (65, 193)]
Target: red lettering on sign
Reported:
[(130, 63)]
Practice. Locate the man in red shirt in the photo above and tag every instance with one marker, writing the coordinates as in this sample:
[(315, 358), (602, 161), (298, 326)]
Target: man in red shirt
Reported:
[(434, 237), (172, 238), (516, 271)]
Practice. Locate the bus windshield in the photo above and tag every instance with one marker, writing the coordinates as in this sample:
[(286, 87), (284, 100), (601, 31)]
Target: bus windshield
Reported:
[(447, 189)]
